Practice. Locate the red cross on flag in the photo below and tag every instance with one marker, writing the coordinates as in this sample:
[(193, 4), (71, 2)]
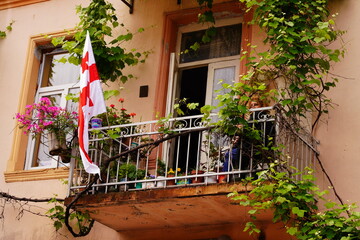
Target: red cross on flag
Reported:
[(91, 103)]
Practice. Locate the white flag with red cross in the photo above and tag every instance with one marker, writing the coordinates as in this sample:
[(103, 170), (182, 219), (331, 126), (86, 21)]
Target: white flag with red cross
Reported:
[(91, 103)]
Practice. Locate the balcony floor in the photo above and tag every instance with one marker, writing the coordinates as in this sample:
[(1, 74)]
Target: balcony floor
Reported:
[(167, 208)]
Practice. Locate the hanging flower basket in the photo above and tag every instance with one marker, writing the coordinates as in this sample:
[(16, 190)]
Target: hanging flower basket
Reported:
[(57, 145)]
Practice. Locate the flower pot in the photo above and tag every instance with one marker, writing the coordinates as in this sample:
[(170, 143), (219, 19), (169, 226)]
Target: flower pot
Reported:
[(170, 182), (96, 123), (65, 155), (211, 179), (138, 185), (222, 179), (148, 185), (183, 181), (197, 179), (57, 144), (160, 183)]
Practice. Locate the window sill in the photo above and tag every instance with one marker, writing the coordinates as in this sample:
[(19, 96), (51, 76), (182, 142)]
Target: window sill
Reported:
[(36, 174)]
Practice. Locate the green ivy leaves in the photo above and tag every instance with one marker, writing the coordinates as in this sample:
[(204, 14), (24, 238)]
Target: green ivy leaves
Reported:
[(100, 20), (298, 34), (8, 29), (294, 203)]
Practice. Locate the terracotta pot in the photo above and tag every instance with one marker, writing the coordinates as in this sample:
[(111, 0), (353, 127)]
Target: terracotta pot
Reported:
[(222, 179), (170, 182), (197, 179)]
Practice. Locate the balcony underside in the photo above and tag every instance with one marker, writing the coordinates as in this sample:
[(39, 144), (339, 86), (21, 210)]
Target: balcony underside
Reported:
[(167, 208)]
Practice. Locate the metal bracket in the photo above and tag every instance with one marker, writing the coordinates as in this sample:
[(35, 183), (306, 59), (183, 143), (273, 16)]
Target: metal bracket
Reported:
[(130, 4)]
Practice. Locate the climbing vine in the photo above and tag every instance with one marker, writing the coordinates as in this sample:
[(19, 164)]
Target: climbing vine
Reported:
[(295, 204), (294, 72), (299, 59), (3, 33), (100, 20)]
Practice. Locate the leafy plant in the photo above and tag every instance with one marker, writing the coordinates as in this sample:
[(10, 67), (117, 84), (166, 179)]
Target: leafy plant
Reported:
[(100, 20), (114, 116), (295, 203), (45, 116), (127, 170), (161, 166), (57, 214)]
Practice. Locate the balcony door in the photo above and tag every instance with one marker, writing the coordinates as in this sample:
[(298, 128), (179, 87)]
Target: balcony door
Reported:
[(198, 77)]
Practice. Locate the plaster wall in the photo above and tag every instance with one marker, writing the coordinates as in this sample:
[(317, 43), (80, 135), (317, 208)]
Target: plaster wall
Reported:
[(53, 16), (339, 131), (30, 20)]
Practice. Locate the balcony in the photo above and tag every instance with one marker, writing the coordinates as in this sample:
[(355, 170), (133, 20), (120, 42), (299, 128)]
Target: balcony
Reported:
[(167, 173)]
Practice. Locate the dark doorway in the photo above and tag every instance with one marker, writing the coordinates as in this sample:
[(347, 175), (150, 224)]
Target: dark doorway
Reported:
[(192, 87)]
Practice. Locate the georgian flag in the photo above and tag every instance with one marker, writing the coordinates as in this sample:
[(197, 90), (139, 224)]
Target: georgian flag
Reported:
[(91, 103)]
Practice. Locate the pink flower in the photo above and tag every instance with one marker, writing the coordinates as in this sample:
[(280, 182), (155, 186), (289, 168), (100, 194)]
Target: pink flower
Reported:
[(121, 100), (45, 100), (48, 123)]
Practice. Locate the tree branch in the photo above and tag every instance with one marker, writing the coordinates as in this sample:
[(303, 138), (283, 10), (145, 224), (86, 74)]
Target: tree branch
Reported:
[(24, 199)]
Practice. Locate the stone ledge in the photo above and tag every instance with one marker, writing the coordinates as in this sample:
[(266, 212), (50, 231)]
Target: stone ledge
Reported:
[(157, 194), (36, 174)]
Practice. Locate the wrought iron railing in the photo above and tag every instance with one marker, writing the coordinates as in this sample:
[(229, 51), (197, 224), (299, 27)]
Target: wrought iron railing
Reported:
[(188, 151)]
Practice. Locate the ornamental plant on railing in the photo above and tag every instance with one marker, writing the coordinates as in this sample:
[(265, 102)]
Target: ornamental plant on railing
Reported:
[(46, 118), (115, 116)]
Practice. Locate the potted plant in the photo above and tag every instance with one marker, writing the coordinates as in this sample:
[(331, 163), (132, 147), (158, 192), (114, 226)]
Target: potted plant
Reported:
[(149, 184), (46, 118), (127, 171), (197, 179), (171, 173), (140, 174), (114, 116)]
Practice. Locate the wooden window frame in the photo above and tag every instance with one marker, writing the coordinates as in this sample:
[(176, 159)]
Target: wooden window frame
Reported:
[(15, 166)]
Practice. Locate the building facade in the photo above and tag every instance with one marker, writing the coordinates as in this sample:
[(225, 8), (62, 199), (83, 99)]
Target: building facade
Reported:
[(29, 71)]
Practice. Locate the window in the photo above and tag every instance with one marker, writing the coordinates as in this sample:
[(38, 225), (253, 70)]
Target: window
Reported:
[(55, 80), (196, 75), (39, 81), (225, 43), (176, 22)]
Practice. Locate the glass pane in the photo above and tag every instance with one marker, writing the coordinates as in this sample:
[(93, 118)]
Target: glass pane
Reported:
[(42, 158), (56, 73), (70, 105), (226, 75), (226, 42)]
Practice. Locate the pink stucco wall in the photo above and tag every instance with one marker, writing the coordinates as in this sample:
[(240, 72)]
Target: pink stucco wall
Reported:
[(339, 132)]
